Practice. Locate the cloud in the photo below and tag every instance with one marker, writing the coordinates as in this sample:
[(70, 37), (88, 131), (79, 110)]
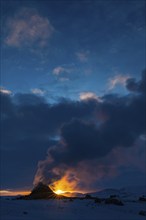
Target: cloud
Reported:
[(62, 73), (37, 91), (5, 91), (88, 132), (90, 141), (28, 123), (117, 80), (60, 70), (89, 95), (134, 86), (27, 28), (83, 56)]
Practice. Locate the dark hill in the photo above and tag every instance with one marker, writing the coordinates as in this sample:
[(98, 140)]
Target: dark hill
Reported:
[(42, 191)]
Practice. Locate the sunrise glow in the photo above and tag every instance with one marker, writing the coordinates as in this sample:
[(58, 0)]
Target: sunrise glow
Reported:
[(59, 191), (63, 185), (13, 193)]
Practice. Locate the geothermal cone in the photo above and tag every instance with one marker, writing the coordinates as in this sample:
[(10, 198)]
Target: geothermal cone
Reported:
[(42, 191)]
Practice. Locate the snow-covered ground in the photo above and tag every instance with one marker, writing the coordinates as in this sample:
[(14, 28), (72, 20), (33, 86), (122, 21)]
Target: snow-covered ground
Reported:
[(125, 193), (67, 210), (74, 210)]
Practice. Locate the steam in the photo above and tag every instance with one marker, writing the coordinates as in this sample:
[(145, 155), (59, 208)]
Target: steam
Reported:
[(91, 136), (83, 155)]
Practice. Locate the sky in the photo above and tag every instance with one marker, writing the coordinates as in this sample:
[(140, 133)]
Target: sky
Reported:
[(72, 90)]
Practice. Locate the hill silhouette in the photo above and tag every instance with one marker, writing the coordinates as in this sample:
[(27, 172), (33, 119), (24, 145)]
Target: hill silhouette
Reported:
[(42, 191)]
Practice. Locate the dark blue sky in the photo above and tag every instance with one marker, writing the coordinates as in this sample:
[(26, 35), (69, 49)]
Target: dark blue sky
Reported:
[(92, 41), (72, 65)]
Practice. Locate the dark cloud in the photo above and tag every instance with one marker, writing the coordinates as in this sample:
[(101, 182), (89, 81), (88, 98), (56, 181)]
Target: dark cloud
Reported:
[(122, 121), (28, 124), (140, 86), (88, 131), (132, 85)]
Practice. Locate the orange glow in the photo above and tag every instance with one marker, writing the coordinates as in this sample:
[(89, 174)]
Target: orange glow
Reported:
[(66, 185), (59, 191), (63, 186), (13, 193)]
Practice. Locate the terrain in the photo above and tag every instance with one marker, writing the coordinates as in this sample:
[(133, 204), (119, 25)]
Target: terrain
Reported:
[(78, 208)]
